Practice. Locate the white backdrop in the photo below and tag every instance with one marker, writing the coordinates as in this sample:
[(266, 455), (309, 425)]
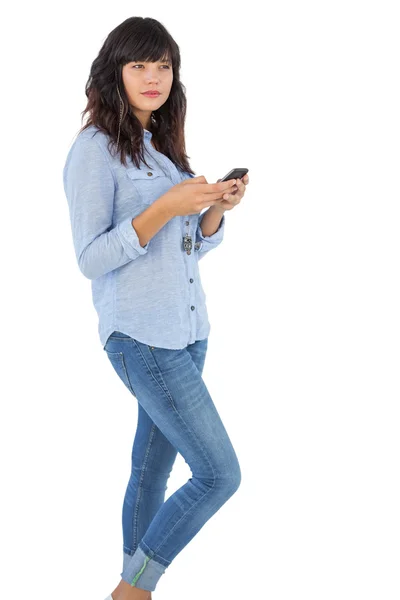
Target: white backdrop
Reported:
[(303, 299)]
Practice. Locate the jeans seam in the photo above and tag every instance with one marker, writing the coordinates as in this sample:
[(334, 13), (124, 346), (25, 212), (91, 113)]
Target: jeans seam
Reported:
[(122, 360), (127, 374), (136, 511), (163, 388)]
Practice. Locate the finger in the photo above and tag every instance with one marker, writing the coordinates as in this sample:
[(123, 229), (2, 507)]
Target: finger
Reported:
[(206, 203), (221, 186), (231, 197), (240, 184), (214, 191), (213, 188), (207, 197)]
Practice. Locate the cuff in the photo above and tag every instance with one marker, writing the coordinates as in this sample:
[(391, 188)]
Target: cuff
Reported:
[(206, 242), (143, 571), (129, 239)]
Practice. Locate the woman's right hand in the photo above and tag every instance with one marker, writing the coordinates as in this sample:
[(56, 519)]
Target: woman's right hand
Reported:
[(190, 196)]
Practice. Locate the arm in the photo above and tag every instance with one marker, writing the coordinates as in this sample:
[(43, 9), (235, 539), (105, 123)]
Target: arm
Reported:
[(89, 187), (210, 226), (210, 230)]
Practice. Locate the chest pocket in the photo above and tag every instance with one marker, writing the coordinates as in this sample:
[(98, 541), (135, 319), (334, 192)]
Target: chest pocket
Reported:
[(150, 184)]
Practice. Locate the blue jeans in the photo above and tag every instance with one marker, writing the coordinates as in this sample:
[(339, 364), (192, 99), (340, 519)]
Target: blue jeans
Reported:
[(175, 414)]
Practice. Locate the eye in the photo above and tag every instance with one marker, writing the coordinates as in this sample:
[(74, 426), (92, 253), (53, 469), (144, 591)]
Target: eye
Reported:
[(140, 65)]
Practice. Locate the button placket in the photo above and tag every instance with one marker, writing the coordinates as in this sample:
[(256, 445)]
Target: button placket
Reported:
[(187, 240)]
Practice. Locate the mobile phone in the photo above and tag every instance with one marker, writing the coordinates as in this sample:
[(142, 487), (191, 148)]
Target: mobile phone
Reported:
[(235, 174)]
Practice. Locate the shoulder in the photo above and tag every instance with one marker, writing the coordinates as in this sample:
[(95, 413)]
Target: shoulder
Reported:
[(88, 153), (92, 136), (90, 144)]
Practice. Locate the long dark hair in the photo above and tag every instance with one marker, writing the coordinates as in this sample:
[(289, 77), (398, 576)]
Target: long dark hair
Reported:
[(137, 39)]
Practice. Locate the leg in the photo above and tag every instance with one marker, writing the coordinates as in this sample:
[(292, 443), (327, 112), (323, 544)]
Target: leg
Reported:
[(172, 392), (153, 457), (152, 460)]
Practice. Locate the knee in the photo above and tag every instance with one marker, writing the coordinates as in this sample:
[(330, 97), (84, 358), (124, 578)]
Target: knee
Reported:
[(232, 479)]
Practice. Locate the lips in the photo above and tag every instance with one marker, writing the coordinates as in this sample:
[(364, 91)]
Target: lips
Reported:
[(151, 93)]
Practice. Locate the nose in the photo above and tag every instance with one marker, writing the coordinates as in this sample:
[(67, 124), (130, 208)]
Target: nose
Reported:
[(151, 75)]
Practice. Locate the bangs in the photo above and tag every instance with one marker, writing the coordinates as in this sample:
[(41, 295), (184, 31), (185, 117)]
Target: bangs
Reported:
[(147, 46)]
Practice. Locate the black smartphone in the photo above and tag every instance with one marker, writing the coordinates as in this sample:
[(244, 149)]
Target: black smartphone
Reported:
[(235, 174)]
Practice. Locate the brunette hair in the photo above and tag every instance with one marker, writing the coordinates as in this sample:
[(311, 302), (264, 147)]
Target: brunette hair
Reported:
[(137, 39)]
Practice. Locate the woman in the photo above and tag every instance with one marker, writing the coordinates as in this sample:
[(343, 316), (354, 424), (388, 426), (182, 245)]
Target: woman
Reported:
[(138, 235)]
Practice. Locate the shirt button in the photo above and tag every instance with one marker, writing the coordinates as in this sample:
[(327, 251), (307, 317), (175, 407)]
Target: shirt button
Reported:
[(149, 173), (192, 307), (186, 222), (191, 280)]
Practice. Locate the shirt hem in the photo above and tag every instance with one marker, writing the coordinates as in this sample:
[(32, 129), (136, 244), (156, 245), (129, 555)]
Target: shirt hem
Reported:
[(145, 340)]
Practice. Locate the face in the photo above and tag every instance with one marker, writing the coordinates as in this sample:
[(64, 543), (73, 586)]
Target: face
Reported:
[(139, 77)]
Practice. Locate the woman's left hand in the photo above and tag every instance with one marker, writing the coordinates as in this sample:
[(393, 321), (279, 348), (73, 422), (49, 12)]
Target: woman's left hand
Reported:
[(229, 201)]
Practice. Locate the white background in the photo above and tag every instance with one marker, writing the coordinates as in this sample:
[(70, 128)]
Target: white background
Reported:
[(303, 298)]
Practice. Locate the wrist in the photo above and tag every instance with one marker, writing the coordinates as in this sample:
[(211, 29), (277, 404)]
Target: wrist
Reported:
[(215, 208), (165, 206)]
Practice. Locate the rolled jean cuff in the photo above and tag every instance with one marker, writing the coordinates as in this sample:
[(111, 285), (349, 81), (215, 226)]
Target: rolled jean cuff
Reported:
[(142, 571)]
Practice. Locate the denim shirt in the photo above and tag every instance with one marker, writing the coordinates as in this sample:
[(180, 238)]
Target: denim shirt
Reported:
[(152, 293)]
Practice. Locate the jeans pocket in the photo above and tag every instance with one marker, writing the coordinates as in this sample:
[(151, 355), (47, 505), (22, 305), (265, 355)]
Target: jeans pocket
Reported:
[(118, 362)]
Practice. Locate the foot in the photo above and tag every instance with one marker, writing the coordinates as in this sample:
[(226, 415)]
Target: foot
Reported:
[(124, 591)]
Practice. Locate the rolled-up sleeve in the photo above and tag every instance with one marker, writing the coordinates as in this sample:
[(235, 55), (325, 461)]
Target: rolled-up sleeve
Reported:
[(208, 242), (89, 187)]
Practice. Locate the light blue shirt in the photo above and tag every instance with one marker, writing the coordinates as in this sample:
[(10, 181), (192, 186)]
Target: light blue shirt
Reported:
[(152, 293)]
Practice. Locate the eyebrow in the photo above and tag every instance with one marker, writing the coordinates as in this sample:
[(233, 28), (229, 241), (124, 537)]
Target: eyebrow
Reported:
[(166, 60)]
